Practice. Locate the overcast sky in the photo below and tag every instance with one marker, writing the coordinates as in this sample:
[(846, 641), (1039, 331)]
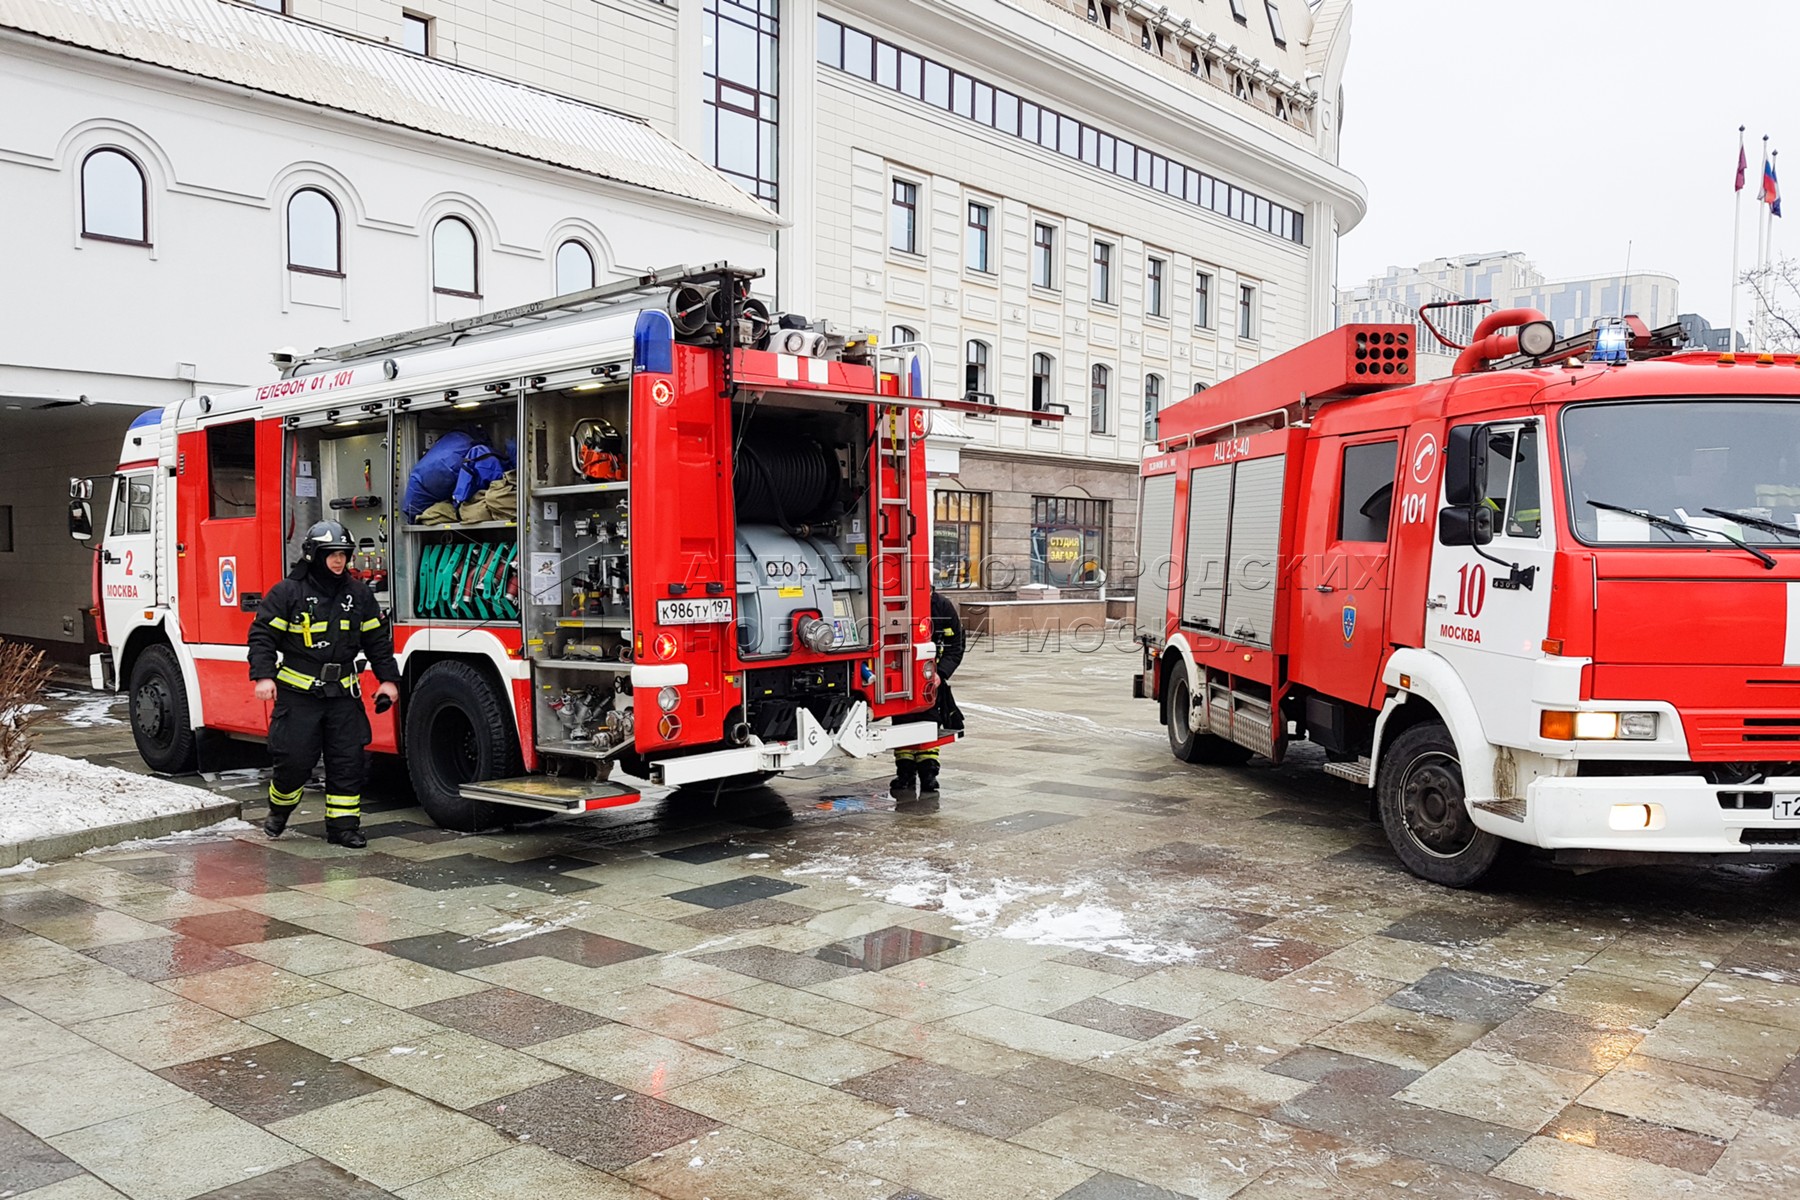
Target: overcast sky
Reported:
[(1565, 129)]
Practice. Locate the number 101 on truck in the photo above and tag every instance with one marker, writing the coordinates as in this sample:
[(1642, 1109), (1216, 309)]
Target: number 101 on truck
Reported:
[(642, 526), (1551, 599)]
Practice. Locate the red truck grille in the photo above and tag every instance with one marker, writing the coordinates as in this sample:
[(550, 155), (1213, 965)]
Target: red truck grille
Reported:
[(1737, 737)]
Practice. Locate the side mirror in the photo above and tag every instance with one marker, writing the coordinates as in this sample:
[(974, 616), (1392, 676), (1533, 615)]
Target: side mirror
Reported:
[(81, 521), (1467, 526), (1465, 467), (80, 488)]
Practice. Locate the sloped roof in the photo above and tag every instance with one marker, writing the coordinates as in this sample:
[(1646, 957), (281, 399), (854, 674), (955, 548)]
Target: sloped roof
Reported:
[(266, 52)]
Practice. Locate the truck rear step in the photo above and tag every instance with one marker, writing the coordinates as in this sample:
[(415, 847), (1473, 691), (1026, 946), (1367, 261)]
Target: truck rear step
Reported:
[(551, 793)]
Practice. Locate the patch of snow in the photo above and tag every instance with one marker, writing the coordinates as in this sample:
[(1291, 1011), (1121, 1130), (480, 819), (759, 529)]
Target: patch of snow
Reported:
[(217, 831), (51, 795), (90, 708), (24, 868)]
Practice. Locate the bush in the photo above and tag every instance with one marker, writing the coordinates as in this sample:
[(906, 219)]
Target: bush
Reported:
[(23, 674)]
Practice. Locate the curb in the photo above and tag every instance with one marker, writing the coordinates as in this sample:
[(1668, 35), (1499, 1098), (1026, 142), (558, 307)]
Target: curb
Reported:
[(68, 845)]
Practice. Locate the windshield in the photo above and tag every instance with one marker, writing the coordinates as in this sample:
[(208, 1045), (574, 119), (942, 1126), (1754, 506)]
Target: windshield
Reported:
[(1677, 459)]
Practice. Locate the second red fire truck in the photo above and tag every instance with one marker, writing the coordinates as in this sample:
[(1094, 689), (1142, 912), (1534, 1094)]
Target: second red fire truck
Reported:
[(1552, 599), (664, 536)]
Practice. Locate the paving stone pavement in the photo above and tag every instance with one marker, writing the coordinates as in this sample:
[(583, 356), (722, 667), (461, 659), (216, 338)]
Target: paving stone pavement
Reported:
[(1087, 972)]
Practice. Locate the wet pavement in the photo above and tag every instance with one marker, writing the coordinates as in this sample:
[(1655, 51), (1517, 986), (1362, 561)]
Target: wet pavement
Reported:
[(1087, 972)]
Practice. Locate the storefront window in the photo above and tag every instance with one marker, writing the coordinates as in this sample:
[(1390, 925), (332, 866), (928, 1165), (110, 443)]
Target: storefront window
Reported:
[(1068, 541), (958, 539)]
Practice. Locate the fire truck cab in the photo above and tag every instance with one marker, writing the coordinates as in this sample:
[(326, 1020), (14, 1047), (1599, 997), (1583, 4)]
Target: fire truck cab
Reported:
[(1551, 599), (680, 541)]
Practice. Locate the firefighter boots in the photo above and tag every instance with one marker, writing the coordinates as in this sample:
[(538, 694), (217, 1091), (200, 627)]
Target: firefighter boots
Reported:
[(281, 807), (346, 832), (906, 775), (928, 776)]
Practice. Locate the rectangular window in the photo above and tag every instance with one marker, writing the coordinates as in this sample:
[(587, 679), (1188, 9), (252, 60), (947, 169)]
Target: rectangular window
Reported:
[(1366, 492), (1203, 289), (1153, 285), (831, 43), (1103, 259), (859, 54), (958, 539), (1068, 541), (962, 96), (976, 253), (1275, 22), (1247, 311), (937, 85), (415, 33), (903, 232), (1043, 255), (231, 469), (912, 74), (1237, 10), (741, 52)]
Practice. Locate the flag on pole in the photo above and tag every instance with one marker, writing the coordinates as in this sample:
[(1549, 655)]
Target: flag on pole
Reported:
[(1743, 162), (1770, 192)]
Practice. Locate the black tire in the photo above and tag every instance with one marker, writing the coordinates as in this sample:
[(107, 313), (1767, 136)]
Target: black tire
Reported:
[(459, 730), (159, 713), (1425, 812), (1206, 749)]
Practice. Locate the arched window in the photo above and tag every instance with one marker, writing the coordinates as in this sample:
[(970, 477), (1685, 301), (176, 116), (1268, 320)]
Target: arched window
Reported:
[(901, 335), (115, 199), (1100, 398), (975, 368), (315, 233), (574, 268), (1041, 367), (1152, 405), (453, 268)]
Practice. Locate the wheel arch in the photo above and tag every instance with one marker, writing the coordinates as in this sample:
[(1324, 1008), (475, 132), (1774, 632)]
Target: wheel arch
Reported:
[(1434, 691)]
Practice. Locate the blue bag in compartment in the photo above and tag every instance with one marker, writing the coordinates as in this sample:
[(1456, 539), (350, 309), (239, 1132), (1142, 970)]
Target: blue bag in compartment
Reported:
[(456, 467)]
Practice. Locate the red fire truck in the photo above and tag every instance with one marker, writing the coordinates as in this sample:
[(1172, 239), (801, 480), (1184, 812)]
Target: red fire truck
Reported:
[(706, 557), (1553, 598)]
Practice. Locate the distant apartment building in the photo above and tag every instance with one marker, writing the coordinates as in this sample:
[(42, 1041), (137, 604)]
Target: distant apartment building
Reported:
[(1506, 279)]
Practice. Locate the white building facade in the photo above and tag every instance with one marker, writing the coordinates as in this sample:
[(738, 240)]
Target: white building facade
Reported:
[(1171, 217), (194, 189), (1086, 209)]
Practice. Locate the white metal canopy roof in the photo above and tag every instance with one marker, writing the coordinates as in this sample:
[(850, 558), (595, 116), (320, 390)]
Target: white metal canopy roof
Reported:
[(281, 56)]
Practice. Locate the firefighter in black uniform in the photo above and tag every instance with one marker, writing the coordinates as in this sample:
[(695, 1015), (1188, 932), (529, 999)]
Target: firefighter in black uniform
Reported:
[(918, 768), (318, 620)]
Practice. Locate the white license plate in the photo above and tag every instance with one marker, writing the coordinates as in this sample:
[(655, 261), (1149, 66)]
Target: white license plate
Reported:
[(1787, 808), (693, 612)]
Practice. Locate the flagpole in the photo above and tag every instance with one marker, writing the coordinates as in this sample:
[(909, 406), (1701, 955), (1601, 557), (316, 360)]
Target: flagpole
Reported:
[(1762, 286), (1737, 221)]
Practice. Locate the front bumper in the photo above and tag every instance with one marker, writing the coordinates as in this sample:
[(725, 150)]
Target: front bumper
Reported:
[(856, 737), (1687, 816)]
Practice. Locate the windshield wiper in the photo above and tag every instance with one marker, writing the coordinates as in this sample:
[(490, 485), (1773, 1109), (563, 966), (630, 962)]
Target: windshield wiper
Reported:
[(1754, 521), (1667, 523)]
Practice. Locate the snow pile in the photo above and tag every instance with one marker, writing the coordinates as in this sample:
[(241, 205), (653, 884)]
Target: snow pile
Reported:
[(50, 795)]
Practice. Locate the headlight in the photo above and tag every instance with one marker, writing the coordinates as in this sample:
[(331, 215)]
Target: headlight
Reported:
[(1597, 726), (667, 699)]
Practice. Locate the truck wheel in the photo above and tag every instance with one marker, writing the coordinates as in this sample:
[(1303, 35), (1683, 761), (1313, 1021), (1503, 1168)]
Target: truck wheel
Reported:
[(458, 730), (1207, 749), (159, 713), (1424, 811)]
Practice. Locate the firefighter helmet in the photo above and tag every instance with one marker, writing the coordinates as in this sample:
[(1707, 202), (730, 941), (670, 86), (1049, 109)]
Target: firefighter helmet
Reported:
[(323, 538), (597, 449)]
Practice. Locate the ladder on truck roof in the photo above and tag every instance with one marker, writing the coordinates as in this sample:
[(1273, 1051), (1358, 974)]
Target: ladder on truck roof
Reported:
[(620, 293)]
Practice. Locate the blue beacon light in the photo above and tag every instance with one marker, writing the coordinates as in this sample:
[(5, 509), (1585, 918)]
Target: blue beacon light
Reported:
[(1610, 342)]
